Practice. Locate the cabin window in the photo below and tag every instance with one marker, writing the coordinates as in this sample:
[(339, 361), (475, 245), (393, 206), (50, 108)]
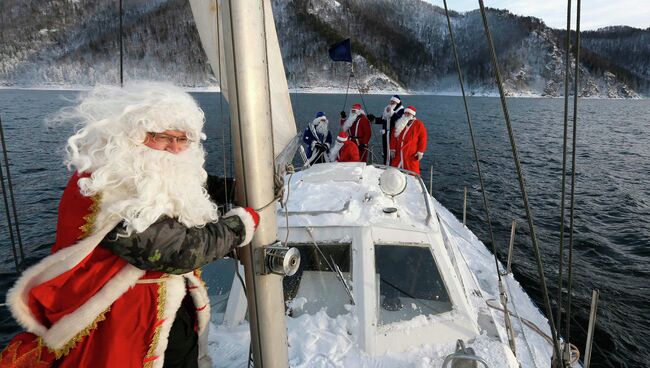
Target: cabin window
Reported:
[(409, 283), (317, 285), (218, 277)]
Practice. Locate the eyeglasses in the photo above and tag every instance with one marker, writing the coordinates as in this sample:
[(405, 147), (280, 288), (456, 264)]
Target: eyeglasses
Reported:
[(166, 139)]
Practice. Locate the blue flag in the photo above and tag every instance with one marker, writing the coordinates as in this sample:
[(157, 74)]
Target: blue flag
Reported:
[(341, 51)]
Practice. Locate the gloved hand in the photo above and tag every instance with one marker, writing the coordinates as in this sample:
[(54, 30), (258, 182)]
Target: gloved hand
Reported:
[(371, 117), (418, 156), (343, 115), (392, 154)]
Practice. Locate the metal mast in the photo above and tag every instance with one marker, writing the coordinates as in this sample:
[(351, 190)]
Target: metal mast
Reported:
[(247, 72)]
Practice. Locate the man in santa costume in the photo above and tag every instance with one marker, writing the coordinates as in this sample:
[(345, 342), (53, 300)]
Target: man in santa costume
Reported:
[(408, 141), (344, 150), (317, 139), (357, 127), (122, 287), (392, 112)]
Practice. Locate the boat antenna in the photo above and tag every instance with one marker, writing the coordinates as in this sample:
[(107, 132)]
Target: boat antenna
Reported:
[(495, 251), (567, 65), (11, 200), (121, 47), (573, 172), (522, 185)]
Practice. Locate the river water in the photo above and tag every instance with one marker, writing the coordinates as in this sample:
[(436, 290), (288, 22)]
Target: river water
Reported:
[(612, 206)]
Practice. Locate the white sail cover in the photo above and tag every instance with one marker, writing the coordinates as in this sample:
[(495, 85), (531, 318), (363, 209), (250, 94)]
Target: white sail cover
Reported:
[(207, 15)]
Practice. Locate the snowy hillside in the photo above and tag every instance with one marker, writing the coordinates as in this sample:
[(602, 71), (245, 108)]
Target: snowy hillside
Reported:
[(398, 45)]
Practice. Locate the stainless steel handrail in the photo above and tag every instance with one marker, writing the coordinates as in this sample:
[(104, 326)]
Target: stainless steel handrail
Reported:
[(463, 356)]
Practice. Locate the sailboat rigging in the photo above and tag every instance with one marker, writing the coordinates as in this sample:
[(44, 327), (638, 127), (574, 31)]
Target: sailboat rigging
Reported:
[(363, 254)]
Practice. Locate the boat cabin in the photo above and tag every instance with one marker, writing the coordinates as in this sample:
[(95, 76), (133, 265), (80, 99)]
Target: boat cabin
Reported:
[(370, 244)]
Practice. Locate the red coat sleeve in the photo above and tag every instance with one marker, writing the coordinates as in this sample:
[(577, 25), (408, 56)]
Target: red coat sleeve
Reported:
[(422, 137)]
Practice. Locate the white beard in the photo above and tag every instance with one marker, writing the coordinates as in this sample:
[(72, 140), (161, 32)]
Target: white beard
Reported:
[(350, 120), (141, 184), (322, 128), (388, 113), (334, 152), (400, 124)]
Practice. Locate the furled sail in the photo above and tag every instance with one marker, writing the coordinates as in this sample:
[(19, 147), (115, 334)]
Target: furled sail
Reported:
[(207, 15)]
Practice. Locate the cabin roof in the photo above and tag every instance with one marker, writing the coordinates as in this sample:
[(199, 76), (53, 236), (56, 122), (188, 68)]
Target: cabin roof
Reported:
[(348, 194)]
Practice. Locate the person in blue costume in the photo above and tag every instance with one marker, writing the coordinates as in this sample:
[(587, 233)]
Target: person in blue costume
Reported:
[(392, 112), (317, 139)]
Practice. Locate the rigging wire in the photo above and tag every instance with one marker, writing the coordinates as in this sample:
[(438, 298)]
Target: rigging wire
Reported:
[(486, 206), (347, 91), (474, 149), (521, 324), (520, 175), (575, 352), (564, 153), (121, 46), (363, 103), (7, 200), (448, 227), (573, 168), (221, 120), (477, 284), (356, 81)]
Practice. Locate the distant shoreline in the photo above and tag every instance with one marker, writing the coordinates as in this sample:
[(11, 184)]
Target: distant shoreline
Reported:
[(319, 90)]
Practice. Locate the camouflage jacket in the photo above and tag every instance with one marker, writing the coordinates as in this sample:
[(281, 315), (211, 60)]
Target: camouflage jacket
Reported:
[(171, 247)]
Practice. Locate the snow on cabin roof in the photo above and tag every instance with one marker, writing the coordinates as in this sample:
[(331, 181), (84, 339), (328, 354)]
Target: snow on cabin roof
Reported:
[(348, 194)]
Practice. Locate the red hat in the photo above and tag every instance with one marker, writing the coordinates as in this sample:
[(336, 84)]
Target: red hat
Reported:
[(356, 106), (410, 110), (343, 136)]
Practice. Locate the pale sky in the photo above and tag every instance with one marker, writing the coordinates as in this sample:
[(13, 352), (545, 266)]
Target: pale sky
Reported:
[(594, 13)]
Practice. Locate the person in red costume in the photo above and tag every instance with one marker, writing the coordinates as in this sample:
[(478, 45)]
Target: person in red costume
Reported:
[(357, 127), (122, 287), (344, 150), (409, 141)]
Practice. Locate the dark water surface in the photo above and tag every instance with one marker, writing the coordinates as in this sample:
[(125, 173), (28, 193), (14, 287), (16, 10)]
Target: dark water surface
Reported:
[(611, 232)]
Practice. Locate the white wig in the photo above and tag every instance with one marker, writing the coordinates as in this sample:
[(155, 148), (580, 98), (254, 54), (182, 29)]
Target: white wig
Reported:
[(137, 183), (109, 113)]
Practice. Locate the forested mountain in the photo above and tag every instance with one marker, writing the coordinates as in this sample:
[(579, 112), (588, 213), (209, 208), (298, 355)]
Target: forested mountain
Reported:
[(398, 45)]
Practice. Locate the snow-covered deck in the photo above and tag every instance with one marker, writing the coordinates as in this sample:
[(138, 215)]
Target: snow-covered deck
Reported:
[(348, 194), (343, 204)]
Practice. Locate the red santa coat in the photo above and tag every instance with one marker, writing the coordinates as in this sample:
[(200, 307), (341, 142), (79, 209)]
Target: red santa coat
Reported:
[(348, 153), (360, 133), (411, 140), (83, 306)]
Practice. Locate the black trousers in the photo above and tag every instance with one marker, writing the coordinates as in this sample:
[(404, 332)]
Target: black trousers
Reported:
[(183, 344)]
